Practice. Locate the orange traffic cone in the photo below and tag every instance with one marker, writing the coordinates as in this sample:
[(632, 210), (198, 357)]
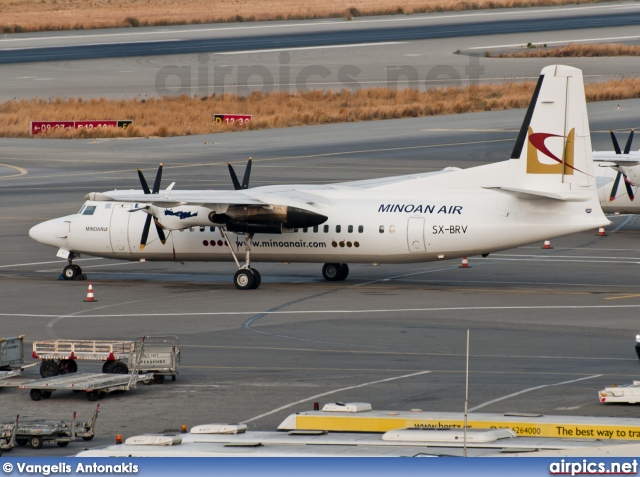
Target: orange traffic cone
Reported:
[(90, 298), (601, 232), (547, 244), (465, 263)]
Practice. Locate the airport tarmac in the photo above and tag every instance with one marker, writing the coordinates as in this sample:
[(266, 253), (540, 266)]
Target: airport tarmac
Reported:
[(548, 328)]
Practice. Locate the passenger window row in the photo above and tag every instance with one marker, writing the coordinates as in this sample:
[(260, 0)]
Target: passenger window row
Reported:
[(316, 229)]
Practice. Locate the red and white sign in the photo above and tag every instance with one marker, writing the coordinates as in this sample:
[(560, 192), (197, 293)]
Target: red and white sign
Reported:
[(232, 118), (40, 126)]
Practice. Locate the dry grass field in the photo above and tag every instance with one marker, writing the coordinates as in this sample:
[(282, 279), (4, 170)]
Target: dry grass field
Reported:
[(40, 15), (572, 50), (187, 115)]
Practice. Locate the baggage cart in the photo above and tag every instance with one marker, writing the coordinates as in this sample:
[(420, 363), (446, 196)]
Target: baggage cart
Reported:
[(95, 385), (12, 358), (36, 433), (8, 435), (161, 356)]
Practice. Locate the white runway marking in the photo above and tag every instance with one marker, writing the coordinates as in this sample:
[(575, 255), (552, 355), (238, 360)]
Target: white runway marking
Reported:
[(52, 323), (317, 396), (531, 389), (555, 42), (329, 312), (46, 263), (298, 48)]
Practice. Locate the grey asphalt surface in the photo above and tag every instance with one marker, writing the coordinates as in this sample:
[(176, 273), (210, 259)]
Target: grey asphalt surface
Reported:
[(399, 51), (549, 328)]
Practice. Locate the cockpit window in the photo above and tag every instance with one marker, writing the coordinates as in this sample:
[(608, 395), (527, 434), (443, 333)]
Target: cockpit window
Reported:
[(81, 210), (89, 210)]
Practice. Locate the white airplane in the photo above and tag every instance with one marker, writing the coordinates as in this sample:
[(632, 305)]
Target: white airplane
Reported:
[(611, 169), (546, 189)]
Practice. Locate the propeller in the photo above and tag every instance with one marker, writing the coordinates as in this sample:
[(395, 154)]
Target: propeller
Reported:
[(627, 184), (245, 179), (147, 223)]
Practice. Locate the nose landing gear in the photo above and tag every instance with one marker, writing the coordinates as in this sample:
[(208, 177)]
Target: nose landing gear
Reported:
[(72, 272)]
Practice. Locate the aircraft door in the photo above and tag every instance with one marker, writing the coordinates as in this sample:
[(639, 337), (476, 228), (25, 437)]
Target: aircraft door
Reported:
[(119, 228), (415, 235)]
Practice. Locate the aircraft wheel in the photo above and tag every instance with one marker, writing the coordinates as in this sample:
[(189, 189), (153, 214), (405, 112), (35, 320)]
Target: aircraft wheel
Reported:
[(257, 276), (345, 271), (77, 269), (69, 272), (244, 279), (332, 272)]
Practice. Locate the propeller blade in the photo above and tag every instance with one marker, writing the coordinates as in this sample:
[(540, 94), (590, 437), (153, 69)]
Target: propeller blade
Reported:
[(627, 146), (616, 146), (156, 184), (145, 186), (614, 189), (147, 223), (145, 233), (627, 184), (247, 173), (163, 239), (234, 177)]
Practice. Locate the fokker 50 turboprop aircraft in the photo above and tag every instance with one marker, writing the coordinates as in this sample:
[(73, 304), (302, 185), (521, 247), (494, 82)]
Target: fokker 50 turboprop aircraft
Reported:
[(547, 189)]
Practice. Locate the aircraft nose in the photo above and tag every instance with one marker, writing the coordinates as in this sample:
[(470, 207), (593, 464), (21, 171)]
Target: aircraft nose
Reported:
[(52, 232)]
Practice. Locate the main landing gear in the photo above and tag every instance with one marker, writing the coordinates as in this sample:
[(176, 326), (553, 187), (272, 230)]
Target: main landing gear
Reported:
[(71, 271), (334, 272), (246, 278)]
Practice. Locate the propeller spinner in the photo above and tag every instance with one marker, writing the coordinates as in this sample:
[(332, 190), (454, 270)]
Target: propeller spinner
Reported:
[(147, 223), (627, 184)]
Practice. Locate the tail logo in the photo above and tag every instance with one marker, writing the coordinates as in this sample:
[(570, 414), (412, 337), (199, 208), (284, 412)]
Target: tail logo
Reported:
[(536, 144)]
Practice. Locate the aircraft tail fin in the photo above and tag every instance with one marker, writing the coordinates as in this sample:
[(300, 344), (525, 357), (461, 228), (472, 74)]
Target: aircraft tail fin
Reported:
[(554, 143)]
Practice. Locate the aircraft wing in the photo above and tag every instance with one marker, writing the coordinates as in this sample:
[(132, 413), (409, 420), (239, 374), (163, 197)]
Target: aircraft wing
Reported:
[(171, 198), (239, 210)]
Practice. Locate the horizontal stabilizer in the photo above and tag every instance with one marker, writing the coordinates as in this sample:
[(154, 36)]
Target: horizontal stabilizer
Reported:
[(631, 159)]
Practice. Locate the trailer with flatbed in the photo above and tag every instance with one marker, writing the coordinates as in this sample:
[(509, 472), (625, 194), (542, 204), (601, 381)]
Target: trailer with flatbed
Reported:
[(95, 385), (36, 433), (160, 356)]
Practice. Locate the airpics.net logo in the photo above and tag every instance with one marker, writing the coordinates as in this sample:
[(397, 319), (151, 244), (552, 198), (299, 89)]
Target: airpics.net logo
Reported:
[(214, 74), (586, 467)]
